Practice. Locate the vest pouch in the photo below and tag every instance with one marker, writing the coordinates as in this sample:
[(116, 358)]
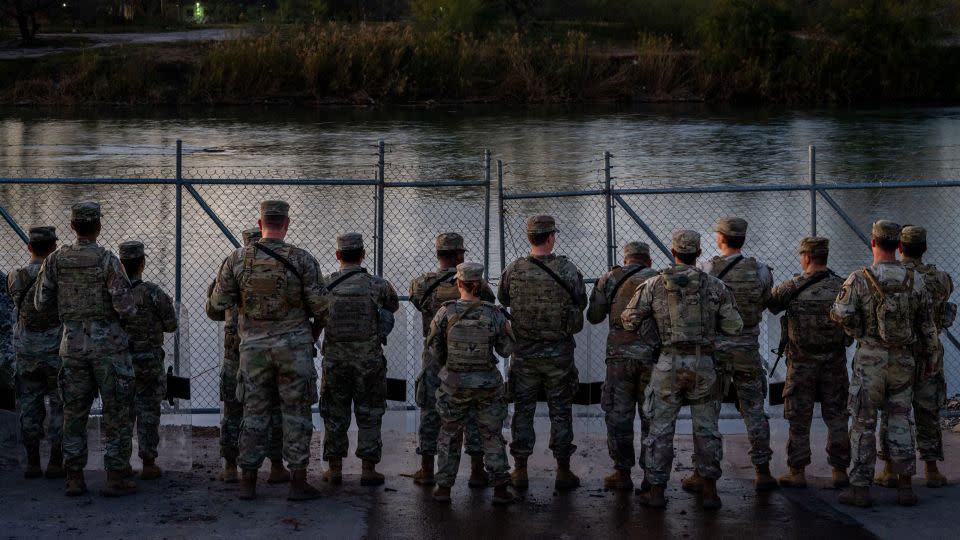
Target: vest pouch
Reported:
[(81, 293), (468, 345), (353, 313)]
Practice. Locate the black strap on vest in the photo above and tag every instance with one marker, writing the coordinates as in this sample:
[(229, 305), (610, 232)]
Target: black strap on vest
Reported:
[(344, 277), (134, 283), (809, 283), (730, 266), (566, 286), (293, 269), (448, 277), (623, 280), (23, 295)]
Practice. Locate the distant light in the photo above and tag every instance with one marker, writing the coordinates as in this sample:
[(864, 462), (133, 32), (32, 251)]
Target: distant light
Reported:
[(64, 4), (198, 4)]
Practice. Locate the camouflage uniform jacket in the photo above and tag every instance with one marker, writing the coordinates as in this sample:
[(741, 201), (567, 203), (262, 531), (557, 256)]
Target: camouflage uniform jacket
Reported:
[(428, 307), (40, 337), (155, 316), (384, 297), (620, 343), (939, 286), (545, 318), (749, 336), (501, 341), (7, 366), (809, 330)]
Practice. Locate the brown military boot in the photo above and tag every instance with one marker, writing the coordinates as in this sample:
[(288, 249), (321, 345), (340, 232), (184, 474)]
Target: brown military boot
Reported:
[(840, 478), (765, 481), (369, 475), (644, 486), (565, 477), (693, 483), (503, 495), (55, 463), (654, 498), (118, 485), (442, 494), (478, 476), (334, 472), (796, 478), (424, 477), (934, 478), (76, 485), (518, 477), (618, 481), (709, 500), (150, 470), (33, 469), (856, 496), (278, 473), (300, 490), (886, 477), (248, 485), (229, 474), (905, 494)]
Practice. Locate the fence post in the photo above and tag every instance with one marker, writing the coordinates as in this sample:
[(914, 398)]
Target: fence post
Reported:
[(381, 175), (608, 201), (813, 192), (503, 235), (178, 251), (486, 214)]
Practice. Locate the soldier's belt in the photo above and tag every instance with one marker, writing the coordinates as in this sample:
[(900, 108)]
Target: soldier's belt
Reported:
[(704, 350), (587, 394)]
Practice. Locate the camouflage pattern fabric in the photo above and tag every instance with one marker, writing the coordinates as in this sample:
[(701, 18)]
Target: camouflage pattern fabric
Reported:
[(7, 314), (559, 378), (33, 385)]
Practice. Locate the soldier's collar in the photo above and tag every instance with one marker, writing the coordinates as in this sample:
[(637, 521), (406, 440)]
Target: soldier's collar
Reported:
[(912, 260), (447, 269), (345, 266), (85, 242)]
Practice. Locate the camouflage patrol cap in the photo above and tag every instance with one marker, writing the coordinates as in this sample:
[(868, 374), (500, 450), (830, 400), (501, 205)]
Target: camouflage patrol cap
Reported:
[(350, 241), (470, 271), (913, 234), (886, 230), (274, 208), (633, 249), (686, 241), (731, 226), (541, 224), (85, 211), (43, 234), (251, 235), (450, 241), (815, 245), (131, 249)]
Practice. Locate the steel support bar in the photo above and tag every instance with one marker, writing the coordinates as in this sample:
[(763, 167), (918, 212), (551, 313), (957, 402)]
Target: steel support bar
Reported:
[(201, 182), (438, 183), (486, 213), (552, 194), (178, 251), (786, 187), (608, 202), (813, 194), (13, 224), (643, 225), (845, 217), (212, 215), (381, 173), (503, 234)]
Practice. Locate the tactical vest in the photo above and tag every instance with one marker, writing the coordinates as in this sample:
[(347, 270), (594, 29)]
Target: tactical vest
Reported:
[(353, 313), (266, 292), (684, 322), (441, 294), (744, 280), (81, 288), (944, 311), (893, 308), (625, 293), (808, 321), (145, 330), (33, 320), (542, 310), (470, 337)]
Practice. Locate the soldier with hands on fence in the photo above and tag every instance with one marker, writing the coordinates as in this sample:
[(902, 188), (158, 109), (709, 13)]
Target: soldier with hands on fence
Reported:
[(739, 356), (690, 308), (155, 316), (282, 302), (37, 346), (428, 292), (232, 414), (88, 287), (888, 310), (354, 368), (930, 386), (463, 337), (816, 350), (630, 357), (546, 296)]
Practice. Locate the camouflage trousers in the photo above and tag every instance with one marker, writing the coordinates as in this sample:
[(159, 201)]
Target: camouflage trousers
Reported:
[(809, 379), (36, 380), (487, 407), (750, 380), (286, 373), (232, 417), (80, 379), (677, 380), (929, 396), (362, 382), (621, 399), (149, 388), (882, 380), (426, 397), (558, 377)]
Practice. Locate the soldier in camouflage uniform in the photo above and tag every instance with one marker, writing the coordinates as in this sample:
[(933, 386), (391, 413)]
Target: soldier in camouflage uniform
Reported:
[(38, 360), (354, 368), (277, 289), (427, 293), (689, 307), (929, 389), (630, 359), (155, 316), (463, 337), (751, 281), (85, 283), (816, 349), (888, 310), (7, 356), (547, 312), (230, 421)]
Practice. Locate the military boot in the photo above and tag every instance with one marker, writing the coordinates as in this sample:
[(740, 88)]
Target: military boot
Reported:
[(693, 483), (905, 494), (765, 481), (248, 485), (503, 495), (334, 472), (33, 469), (229, 474), (150, 470), (644, 486), (840, 478), (934, 478), (654, 498), (856, 496), (518, 477), (127, 471), (442, 494), (796, 478), (886, 477), (618, 481), (76, 485), (55, 463), (565, 477), (118, 485), (300, 490), (424, 477), (478, 476), (709, 499), (278, 473), (369, 475)]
